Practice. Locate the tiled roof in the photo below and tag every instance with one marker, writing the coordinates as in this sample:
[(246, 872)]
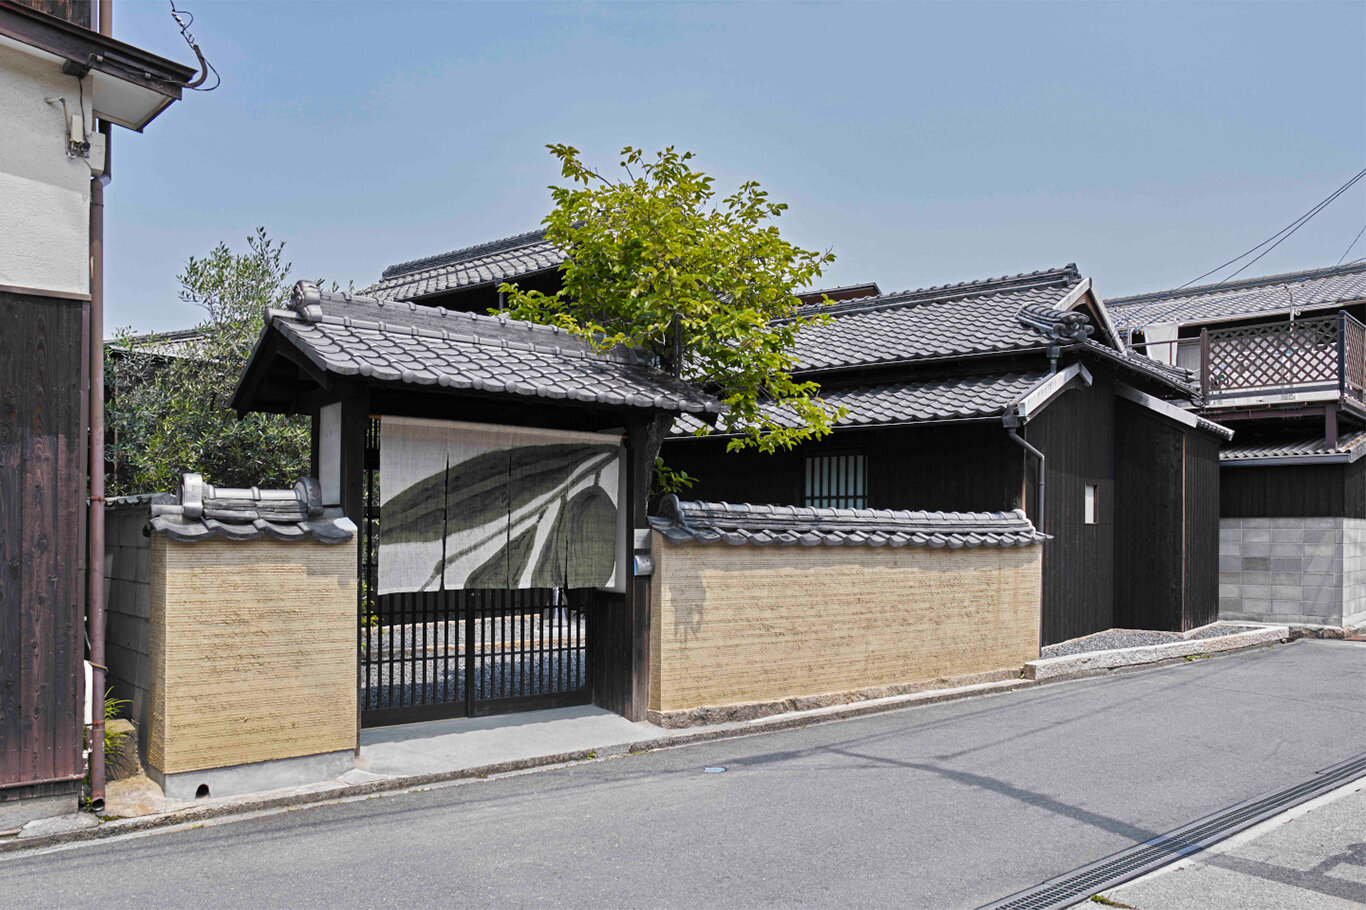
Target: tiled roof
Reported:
[(1349, 448), (1312, 289), (203, 512), (976, 317), (924, 401), (429, 346), (178, 343), (486, 263), (766, 525)]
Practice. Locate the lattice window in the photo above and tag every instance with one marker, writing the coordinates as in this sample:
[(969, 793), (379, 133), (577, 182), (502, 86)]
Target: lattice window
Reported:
[(836, 482)]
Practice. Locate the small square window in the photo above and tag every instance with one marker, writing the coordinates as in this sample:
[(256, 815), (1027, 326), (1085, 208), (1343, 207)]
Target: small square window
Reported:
[(1092, 504)]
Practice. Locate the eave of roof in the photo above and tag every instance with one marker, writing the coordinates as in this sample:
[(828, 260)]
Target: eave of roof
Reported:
[(1294, 450), (59, 40)]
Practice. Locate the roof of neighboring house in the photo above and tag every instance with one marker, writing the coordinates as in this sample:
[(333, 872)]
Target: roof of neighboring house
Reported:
[(1305, 449), (923, 401), (180, 343), (764, 525), (201, 511), (484, 263), (1307, 290), (386, 340)]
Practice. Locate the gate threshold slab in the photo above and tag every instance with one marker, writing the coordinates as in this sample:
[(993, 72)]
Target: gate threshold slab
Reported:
[(434, 747)]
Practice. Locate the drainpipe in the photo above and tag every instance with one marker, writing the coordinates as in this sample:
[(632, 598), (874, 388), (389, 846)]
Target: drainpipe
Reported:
[(1012, 424), (95, 560)]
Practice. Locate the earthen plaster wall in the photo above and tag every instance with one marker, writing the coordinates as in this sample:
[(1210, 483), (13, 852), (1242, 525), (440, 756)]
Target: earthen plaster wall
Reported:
[(736, 624), (252, 652)]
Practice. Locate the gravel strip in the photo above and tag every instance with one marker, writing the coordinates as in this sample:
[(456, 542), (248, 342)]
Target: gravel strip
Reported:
[(1136, 638)]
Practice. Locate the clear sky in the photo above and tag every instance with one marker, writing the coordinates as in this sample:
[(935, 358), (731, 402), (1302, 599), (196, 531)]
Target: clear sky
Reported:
[(923, 143)]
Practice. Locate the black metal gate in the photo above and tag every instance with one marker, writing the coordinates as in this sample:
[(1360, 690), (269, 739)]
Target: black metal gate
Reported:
[(442, 654)]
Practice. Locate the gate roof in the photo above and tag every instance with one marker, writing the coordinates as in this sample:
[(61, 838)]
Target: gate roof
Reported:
[(327, 334)]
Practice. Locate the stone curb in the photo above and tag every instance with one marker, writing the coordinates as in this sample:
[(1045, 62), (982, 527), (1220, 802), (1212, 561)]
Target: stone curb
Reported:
[(1074, 665)]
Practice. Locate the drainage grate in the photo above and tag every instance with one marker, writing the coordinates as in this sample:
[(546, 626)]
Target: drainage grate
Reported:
[(1078, 885)]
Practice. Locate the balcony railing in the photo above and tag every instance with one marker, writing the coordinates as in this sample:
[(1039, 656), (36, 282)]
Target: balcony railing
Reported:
[(1322, 354)]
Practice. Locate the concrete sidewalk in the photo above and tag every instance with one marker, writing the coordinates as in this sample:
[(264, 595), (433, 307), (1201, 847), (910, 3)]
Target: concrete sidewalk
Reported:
[(449, 745), (1312, 857)]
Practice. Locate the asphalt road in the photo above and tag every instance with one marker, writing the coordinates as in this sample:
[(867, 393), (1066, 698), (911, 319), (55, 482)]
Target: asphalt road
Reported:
[(950, 805)]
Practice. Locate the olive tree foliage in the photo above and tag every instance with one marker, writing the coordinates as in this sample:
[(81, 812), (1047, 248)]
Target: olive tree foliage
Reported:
[(702, 286), (167, 402)]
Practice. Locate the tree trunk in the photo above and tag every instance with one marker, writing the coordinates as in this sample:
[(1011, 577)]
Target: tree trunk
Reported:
[(656, 431)]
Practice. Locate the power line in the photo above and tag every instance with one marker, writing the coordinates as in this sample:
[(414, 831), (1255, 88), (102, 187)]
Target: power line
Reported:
[(1350, 245), (1305, 220), (1274, 240)]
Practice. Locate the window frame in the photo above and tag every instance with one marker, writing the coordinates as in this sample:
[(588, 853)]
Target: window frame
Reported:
[(851, 492)]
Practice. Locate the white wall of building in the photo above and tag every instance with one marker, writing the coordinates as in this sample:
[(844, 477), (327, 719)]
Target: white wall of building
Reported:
[(44, 195)]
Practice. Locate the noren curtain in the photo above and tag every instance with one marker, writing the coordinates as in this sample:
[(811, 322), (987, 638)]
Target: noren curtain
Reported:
[(478, 506)]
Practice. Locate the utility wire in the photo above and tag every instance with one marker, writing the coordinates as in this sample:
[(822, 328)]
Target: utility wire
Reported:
[(184, 19), (1350, 245), (1274, 240)]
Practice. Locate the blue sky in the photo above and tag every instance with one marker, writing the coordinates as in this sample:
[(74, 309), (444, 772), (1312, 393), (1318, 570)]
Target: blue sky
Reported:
[(923, 143)]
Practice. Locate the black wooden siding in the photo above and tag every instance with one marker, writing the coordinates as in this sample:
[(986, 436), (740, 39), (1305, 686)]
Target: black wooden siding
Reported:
[(1076, 433), (1167, 479), (952, 467), (1294, 491), (1200, 605), (41, 555)]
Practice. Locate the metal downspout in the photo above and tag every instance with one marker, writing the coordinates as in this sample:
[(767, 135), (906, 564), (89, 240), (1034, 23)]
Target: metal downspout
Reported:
[(1012, 422), (1014, 434), (95, 560)]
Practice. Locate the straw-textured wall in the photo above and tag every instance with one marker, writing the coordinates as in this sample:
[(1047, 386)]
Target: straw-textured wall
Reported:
[(253, 652), (737, 624)]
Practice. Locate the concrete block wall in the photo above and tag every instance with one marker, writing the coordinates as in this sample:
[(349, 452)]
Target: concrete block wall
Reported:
[(743, 624), (1293, 570)]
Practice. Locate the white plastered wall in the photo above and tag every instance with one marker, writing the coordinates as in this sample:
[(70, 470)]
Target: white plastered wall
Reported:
[(44, 195)]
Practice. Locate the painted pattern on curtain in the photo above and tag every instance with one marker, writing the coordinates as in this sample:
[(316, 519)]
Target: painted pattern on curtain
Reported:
[(475, 506)]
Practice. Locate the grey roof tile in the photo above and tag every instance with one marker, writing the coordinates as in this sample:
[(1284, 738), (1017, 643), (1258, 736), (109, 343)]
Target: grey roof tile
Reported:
[(1307, 290), (741, 524), (202, 512), (923, 401), (392, 341), (485, 263), (1352, 446), (975, 317)]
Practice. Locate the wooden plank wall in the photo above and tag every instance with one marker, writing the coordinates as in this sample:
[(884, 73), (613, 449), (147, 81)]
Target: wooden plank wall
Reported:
[(1292, 491), (42, 496), (1148, 498), (1167, 477), (1076, 433), (1200, 603), (954, 467)]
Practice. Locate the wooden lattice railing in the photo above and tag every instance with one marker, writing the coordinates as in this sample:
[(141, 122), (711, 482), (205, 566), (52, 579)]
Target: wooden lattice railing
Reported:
[(1318, 354)]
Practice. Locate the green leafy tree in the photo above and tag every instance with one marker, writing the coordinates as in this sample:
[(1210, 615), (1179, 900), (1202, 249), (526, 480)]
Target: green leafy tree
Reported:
[(168, 399), (704, 287)]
